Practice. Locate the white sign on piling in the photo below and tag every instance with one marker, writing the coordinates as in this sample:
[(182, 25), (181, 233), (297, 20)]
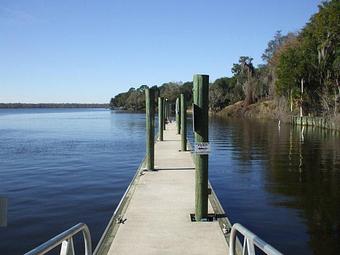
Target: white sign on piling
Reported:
[(202, 148), (3, 212)]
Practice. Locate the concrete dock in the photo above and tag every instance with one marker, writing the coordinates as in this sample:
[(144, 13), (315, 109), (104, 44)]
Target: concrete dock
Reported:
[(156, 218)]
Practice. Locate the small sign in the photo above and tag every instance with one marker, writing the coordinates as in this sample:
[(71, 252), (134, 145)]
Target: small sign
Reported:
[(202, 148), (3, 212)]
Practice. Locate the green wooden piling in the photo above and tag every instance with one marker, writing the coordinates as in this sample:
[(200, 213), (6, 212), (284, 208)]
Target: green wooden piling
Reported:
[(183, 123), (165, 112), (160, 117), (3, 211), (178, 119), (150, 132), (169, 111), (201, 100), (163, 120)]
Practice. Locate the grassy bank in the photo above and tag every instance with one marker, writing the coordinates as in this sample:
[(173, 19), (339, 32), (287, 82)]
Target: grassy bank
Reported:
[(270, 110), (267, 109)]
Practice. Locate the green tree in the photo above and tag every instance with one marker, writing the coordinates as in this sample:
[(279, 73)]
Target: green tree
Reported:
[(186, 89), (290, 70), (218, 94)]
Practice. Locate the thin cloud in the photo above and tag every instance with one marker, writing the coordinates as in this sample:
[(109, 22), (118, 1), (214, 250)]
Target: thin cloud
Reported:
[(14, 16)]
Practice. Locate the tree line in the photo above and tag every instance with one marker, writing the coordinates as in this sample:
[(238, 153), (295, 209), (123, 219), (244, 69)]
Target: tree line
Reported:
[(299, 69)]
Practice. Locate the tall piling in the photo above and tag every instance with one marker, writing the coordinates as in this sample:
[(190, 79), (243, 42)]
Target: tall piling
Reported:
[(3, 211), (160, 117), (150, 128), (183, 123), (178, 118), (169, 111), (163, 114), (201, 104)]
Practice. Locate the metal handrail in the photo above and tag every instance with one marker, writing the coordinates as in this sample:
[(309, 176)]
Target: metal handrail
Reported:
[(66, 241), (250, 241)]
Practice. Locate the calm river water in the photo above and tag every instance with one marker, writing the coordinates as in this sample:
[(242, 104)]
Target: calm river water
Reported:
[(60, 167)]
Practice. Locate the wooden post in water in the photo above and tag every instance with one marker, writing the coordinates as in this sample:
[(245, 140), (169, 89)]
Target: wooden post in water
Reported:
[(301, 98), (201, 118), (178, 120), (3, 212), (160, 117), (169, 111), (165, 112), (150, 131), (183, 123)]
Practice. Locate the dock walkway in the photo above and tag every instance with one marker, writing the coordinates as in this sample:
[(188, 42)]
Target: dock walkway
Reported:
[(158, 213)]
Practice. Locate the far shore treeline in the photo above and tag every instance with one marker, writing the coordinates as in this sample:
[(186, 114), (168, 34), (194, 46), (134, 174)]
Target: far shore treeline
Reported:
[(273, 89), (51, 105)]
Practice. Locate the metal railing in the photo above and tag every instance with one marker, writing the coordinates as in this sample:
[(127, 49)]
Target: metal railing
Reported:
[(249, 242), (66, 241)]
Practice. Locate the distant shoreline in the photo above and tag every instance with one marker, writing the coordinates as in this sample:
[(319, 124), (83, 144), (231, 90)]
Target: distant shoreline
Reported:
[(50, 105)]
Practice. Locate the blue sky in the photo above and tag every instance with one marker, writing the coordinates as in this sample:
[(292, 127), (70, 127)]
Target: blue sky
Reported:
[(88, 51)]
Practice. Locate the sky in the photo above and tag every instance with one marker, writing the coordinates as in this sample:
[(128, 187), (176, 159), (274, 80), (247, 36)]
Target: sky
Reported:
[(88, 51)]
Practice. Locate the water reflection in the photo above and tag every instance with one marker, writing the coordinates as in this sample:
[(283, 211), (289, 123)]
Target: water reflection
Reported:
[(312, 180), (282, 182)]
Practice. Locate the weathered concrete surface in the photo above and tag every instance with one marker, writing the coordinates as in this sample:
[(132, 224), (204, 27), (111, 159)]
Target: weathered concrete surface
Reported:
[(158, 216)]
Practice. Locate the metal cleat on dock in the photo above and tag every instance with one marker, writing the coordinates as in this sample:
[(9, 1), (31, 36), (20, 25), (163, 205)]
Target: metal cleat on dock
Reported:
[(120, 220)]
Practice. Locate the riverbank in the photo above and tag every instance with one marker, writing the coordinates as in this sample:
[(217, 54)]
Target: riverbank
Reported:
[(271, 110), (261, 110)]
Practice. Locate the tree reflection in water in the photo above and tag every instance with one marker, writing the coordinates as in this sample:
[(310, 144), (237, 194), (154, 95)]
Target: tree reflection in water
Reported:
[(297, 169)]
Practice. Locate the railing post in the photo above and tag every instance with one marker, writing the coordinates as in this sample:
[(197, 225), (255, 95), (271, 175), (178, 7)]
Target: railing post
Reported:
[(150, 132), (183, 123), (160, 117), (201, 97), (178, 118), (67, 247)]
